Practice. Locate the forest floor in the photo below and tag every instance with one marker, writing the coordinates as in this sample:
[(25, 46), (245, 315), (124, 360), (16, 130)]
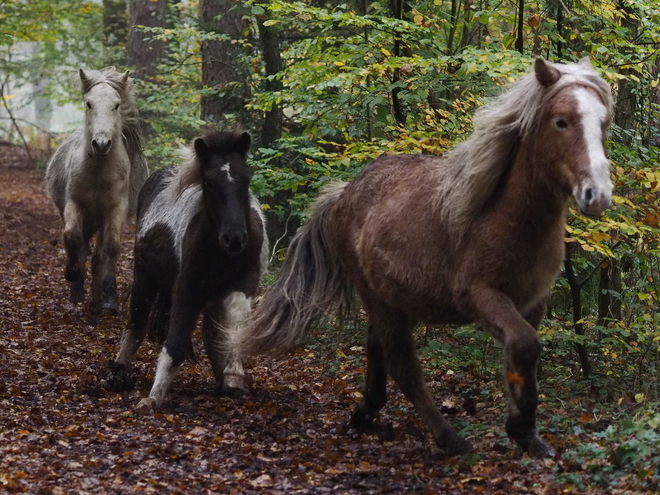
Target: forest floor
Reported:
[(62, 433)]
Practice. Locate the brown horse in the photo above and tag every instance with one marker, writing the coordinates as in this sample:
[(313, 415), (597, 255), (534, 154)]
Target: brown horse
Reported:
[(477, 236)]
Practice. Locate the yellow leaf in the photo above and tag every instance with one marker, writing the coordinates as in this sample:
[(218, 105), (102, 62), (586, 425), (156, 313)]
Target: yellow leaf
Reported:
[(586, 247), (418, 19), (385, 52)]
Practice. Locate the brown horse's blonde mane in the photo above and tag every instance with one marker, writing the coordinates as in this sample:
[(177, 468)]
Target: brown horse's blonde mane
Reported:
[(190, 172), (476, 165)]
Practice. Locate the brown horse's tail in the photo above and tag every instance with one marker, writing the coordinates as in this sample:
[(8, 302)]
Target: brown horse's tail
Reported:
[(310, 283)]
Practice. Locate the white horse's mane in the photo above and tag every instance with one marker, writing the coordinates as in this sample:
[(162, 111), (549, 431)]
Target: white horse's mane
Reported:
[(475, 165)]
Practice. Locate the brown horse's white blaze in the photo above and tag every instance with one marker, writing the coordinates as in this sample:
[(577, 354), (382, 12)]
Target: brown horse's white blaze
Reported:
[(594, 192), (474, 236)]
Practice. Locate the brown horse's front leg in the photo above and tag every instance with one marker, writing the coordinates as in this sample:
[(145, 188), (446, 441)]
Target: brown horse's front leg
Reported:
[(522, 349)]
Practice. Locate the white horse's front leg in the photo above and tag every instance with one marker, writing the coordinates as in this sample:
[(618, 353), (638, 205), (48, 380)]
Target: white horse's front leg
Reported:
[(76, 250), (104, 260), (223, 320)]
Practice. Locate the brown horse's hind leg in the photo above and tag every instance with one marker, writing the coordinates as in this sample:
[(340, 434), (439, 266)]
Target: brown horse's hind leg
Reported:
[(375, 388), (522, 350), (76, 252), (394, 332)]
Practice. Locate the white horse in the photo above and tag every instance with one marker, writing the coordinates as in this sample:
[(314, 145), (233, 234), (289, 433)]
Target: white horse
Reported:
[(94, 179)]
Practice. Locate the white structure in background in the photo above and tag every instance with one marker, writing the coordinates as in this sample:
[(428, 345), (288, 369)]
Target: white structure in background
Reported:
[(33, 110)]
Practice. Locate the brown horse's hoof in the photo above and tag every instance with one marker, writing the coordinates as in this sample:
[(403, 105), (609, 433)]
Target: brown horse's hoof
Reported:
[(453, 445), (110, 305), (539, 448)]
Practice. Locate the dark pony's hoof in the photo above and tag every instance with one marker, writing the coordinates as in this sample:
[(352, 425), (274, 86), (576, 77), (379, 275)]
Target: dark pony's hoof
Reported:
[(111, 305), (77, 293), (110, 302), (119, 379), (231, 392)]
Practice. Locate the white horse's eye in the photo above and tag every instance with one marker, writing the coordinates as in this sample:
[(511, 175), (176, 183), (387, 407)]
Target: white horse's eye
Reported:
[(116, 106), (89, 105)]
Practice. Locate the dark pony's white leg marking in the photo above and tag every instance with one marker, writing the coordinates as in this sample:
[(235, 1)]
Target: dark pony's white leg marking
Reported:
[(165, 373)]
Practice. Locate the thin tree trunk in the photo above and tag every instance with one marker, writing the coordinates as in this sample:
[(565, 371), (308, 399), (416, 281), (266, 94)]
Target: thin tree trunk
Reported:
[(271, 130), (609, 305), (397, 8), (521, 24), (576, 296), (222, 75), (115, 30)]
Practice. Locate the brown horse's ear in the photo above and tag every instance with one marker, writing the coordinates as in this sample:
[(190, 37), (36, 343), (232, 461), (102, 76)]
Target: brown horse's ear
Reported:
[(86, 82), (546, 73), (244, 142)]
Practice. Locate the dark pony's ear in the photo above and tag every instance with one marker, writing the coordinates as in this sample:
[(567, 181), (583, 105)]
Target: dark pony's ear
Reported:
[(243, 143), (86, 82), (201, 150), (546, 73)]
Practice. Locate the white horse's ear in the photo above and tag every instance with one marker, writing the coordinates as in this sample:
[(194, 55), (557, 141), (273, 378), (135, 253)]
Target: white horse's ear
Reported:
[(124, 77), (586, 62), (546, 73), (84, 78)]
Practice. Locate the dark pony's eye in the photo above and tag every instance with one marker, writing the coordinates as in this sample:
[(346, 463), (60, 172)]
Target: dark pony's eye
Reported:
[(561, 124)]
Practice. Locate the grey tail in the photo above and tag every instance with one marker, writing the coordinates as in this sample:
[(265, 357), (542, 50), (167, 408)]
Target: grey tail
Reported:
[(311, 283)]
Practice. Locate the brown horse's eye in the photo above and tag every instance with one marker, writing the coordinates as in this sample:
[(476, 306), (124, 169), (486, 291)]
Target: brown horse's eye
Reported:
[(561, 124)]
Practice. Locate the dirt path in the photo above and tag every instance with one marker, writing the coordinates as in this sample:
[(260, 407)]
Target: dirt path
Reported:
[(60, 433)]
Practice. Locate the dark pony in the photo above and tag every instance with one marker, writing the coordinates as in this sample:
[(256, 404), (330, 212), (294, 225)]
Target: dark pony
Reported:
[(477, 236), (94, 178), (200, 246)]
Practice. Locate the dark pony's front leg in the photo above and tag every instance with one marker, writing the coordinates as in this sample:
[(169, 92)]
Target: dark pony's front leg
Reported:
[(522, 350), (222, 319), (75, 246), (143, 294), (186, 307)]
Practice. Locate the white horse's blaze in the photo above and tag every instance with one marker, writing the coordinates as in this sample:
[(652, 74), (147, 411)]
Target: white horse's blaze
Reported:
[(594, 193), (225, 168)]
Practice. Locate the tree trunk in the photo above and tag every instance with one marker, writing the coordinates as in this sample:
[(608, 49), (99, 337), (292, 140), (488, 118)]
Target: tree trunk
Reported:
[(271, 130), (222, 75), (576, 295), (115, 31), (397, 10), (144, 55), (609, 305)]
